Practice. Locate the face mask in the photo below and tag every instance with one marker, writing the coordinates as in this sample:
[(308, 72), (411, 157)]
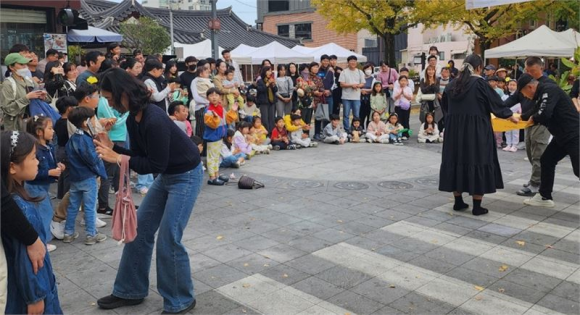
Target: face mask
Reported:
[(25, 72), (191, 67), (368, 72)]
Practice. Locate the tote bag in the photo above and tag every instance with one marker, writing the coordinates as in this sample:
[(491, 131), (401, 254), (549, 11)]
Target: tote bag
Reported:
[(124, 227)]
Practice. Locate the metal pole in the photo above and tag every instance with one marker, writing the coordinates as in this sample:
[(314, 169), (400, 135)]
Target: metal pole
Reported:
[(214, 37), (171, 27)]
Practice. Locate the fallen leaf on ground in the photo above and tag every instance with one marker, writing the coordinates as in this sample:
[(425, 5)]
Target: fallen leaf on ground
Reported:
[(266, 265), (549, 246), (246, 265), (219, 237), (339, 221), (244, 311), (434, 241), (392, 286), (246, 285), (501, 290), (93, 304), (284, 276), (521, 243), (479, 298), (503, 268), (478, 288)]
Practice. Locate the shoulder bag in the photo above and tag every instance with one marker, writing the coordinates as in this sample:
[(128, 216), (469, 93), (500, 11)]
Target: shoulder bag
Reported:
[(124, 227)]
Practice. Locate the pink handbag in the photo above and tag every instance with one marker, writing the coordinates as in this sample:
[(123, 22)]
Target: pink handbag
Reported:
[(124, 215)]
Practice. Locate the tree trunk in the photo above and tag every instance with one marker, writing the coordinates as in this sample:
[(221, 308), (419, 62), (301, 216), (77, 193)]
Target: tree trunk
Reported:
[(484, 45), (389, 52)]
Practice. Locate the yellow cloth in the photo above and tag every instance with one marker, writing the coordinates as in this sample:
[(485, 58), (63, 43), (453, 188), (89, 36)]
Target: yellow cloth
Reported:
[(502, 125)]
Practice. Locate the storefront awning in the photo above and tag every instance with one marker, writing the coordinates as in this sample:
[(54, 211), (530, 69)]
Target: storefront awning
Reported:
[(92, 35)]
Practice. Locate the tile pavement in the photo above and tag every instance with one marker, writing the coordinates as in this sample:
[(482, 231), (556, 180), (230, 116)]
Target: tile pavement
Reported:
[(359, 229)]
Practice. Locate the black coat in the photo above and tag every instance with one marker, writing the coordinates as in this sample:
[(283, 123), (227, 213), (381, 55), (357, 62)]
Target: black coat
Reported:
[(262, 98), (469, 161)]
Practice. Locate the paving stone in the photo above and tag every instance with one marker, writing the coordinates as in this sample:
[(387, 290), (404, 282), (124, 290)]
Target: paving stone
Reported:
[(256, 243), (472, 276), (489, 267), (467, 222), (310, 264), (252, 263), (219, 275), (517, 291), (432, 264), (499, 229), (415, 245), (380, 291), (561, 255), (343, 277), (334, 235), (415, 303), (226, 253), (568, 290), (282, 253), (449, 256), (486, 237), (532, 279), (537, 238), (308, 243), (285, 274), (355, 302), (306, 227), (213, 302), (559, 304), (318, 287)]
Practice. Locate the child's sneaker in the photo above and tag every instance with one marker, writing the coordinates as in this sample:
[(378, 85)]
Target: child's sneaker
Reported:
[(270, 147), (313, 144), (422, 140), (507, 148), (267, 151), (405, 138), (292, 147), (69, 238), (50, 248), (385, 141), (276, 148), (143, 191), (242, 162), (513, 148), (236, 165), (97, 238), (98, 223)]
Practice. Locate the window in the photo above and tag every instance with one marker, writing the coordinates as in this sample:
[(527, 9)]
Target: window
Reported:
[(284, 30), (303, 31), (370, 42), (532, 23), (441, 55), (191, 7), (459, 56), (145, 1), (278, 5)]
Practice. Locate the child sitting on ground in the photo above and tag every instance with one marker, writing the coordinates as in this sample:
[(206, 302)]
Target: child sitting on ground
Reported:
[(86, 166), (179, 94), (333, 133), (298, 136), (376, 131), (260, 132), (288, 123), (429, 132), (228, 83), (28, 292), (394, 129), (357, 132), (280, 139), (229, 156), (216, 120), (249, 111), (240, 142), (253, 139), (178, 112)]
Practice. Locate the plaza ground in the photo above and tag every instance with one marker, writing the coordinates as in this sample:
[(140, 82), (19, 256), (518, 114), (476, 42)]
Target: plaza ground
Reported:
[(358, 229)]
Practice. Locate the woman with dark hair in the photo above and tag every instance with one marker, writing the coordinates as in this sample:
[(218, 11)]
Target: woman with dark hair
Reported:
[(113, 51), (54, 78), (454, 72), (284, 95), (429, 88), (469, 160), (170, 70), (365, 95), (167, 206), (134, 67), (153, 79), (221, 67), (199, 88), (293, 74), (317, 97), (266, 97)]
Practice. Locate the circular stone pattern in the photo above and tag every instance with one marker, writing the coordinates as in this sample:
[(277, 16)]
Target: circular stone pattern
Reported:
[(427, 181), (306, 184), (351, 185), (395, 185)]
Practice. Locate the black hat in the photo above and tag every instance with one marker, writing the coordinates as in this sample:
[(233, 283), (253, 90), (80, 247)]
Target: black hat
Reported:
[(492, 78), (524, 80), (489, 67)]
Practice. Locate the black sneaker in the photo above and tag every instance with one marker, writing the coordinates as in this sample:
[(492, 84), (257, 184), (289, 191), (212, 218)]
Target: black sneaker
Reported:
[(189, 308), (224, 178), (111, 302), (216, 182), (107, 211)]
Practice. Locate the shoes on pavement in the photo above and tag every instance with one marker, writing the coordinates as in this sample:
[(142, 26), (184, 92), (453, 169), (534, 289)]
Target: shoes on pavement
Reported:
[(216, 182), (97, 238), (224, 178), (98, 223), (513, 148), (292, 147), (50, 248), (57, 229), (313, 144), (276, 148), (107, 211), (68, 238), (528, 191), (112, 302), (189, 308), (539, 201)]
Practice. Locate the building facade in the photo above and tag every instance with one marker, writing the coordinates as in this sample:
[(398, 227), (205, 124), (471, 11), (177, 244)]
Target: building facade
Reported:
[(25, 22), (298, 19), (178, 4)]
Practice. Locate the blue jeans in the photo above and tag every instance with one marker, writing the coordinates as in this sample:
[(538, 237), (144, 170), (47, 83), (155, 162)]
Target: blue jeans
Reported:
[(144, 181), (84, 191), (44, 206), (347, 106), (231, 160), (393, 137), (167, 208)]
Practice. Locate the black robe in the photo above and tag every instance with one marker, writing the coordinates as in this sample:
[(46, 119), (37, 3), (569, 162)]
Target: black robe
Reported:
[(469, 162)]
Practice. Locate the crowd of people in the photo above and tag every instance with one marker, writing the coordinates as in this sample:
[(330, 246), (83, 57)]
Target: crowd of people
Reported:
[(69, 125)]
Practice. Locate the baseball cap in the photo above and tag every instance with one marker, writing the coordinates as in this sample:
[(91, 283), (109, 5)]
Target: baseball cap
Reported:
[(492, 78), (15, 58), (524, 80), (489, 67)]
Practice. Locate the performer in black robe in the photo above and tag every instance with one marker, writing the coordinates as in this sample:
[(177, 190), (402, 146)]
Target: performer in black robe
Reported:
[(469, 162)]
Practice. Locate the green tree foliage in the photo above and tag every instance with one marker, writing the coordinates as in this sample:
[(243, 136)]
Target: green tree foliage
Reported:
[(145, 34)]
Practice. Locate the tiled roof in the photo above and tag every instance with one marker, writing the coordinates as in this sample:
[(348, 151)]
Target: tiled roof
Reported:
[(189, 27)]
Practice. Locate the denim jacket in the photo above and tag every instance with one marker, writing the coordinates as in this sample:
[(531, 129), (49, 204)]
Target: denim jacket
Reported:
[(25, 287), (83, 159), (46, 161)]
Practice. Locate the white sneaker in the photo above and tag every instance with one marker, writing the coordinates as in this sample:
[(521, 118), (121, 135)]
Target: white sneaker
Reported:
[(98, 223), (57, 229), (50, 247), (422, 140), (538, 201)]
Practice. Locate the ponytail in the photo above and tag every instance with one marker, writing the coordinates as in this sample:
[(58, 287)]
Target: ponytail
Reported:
[(471, 63)]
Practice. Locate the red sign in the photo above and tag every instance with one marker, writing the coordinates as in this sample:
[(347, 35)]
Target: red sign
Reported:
[(214, 24)]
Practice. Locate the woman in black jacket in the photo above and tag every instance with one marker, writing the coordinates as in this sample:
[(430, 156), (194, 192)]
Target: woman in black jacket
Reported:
[(266, 98)]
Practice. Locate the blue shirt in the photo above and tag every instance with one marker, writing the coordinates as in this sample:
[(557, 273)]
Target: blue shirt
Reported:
[(46, 161), (83, 160)]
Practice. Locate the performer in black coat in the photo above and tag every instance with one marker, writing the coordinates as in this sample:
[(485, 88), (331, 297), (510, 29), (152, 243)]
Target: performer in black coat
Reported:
[(469, 162)]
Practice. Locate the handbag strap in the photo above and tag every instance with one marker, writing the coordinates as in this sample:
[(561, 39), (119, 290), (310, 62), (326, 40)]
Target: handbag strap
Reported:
[(124, 178)]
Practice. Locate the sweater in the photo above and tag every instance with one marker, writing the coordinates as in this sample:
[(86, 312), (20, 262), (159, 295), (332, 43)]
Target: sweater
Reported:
[(241, 143), (374, 127), (153, 151), (215, 125), (330, 131)]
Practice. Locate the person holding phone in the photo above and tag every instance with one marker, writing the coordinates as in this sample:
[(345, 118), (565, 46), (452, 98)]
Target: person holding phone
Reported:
[(17, 91)]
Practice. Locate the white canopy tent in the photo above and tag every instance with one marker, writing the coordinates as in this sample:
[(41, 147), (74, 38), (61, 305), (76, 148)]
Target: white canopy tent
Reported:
[(274, 51), (543, 42), (203, 50), (329, 49)]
